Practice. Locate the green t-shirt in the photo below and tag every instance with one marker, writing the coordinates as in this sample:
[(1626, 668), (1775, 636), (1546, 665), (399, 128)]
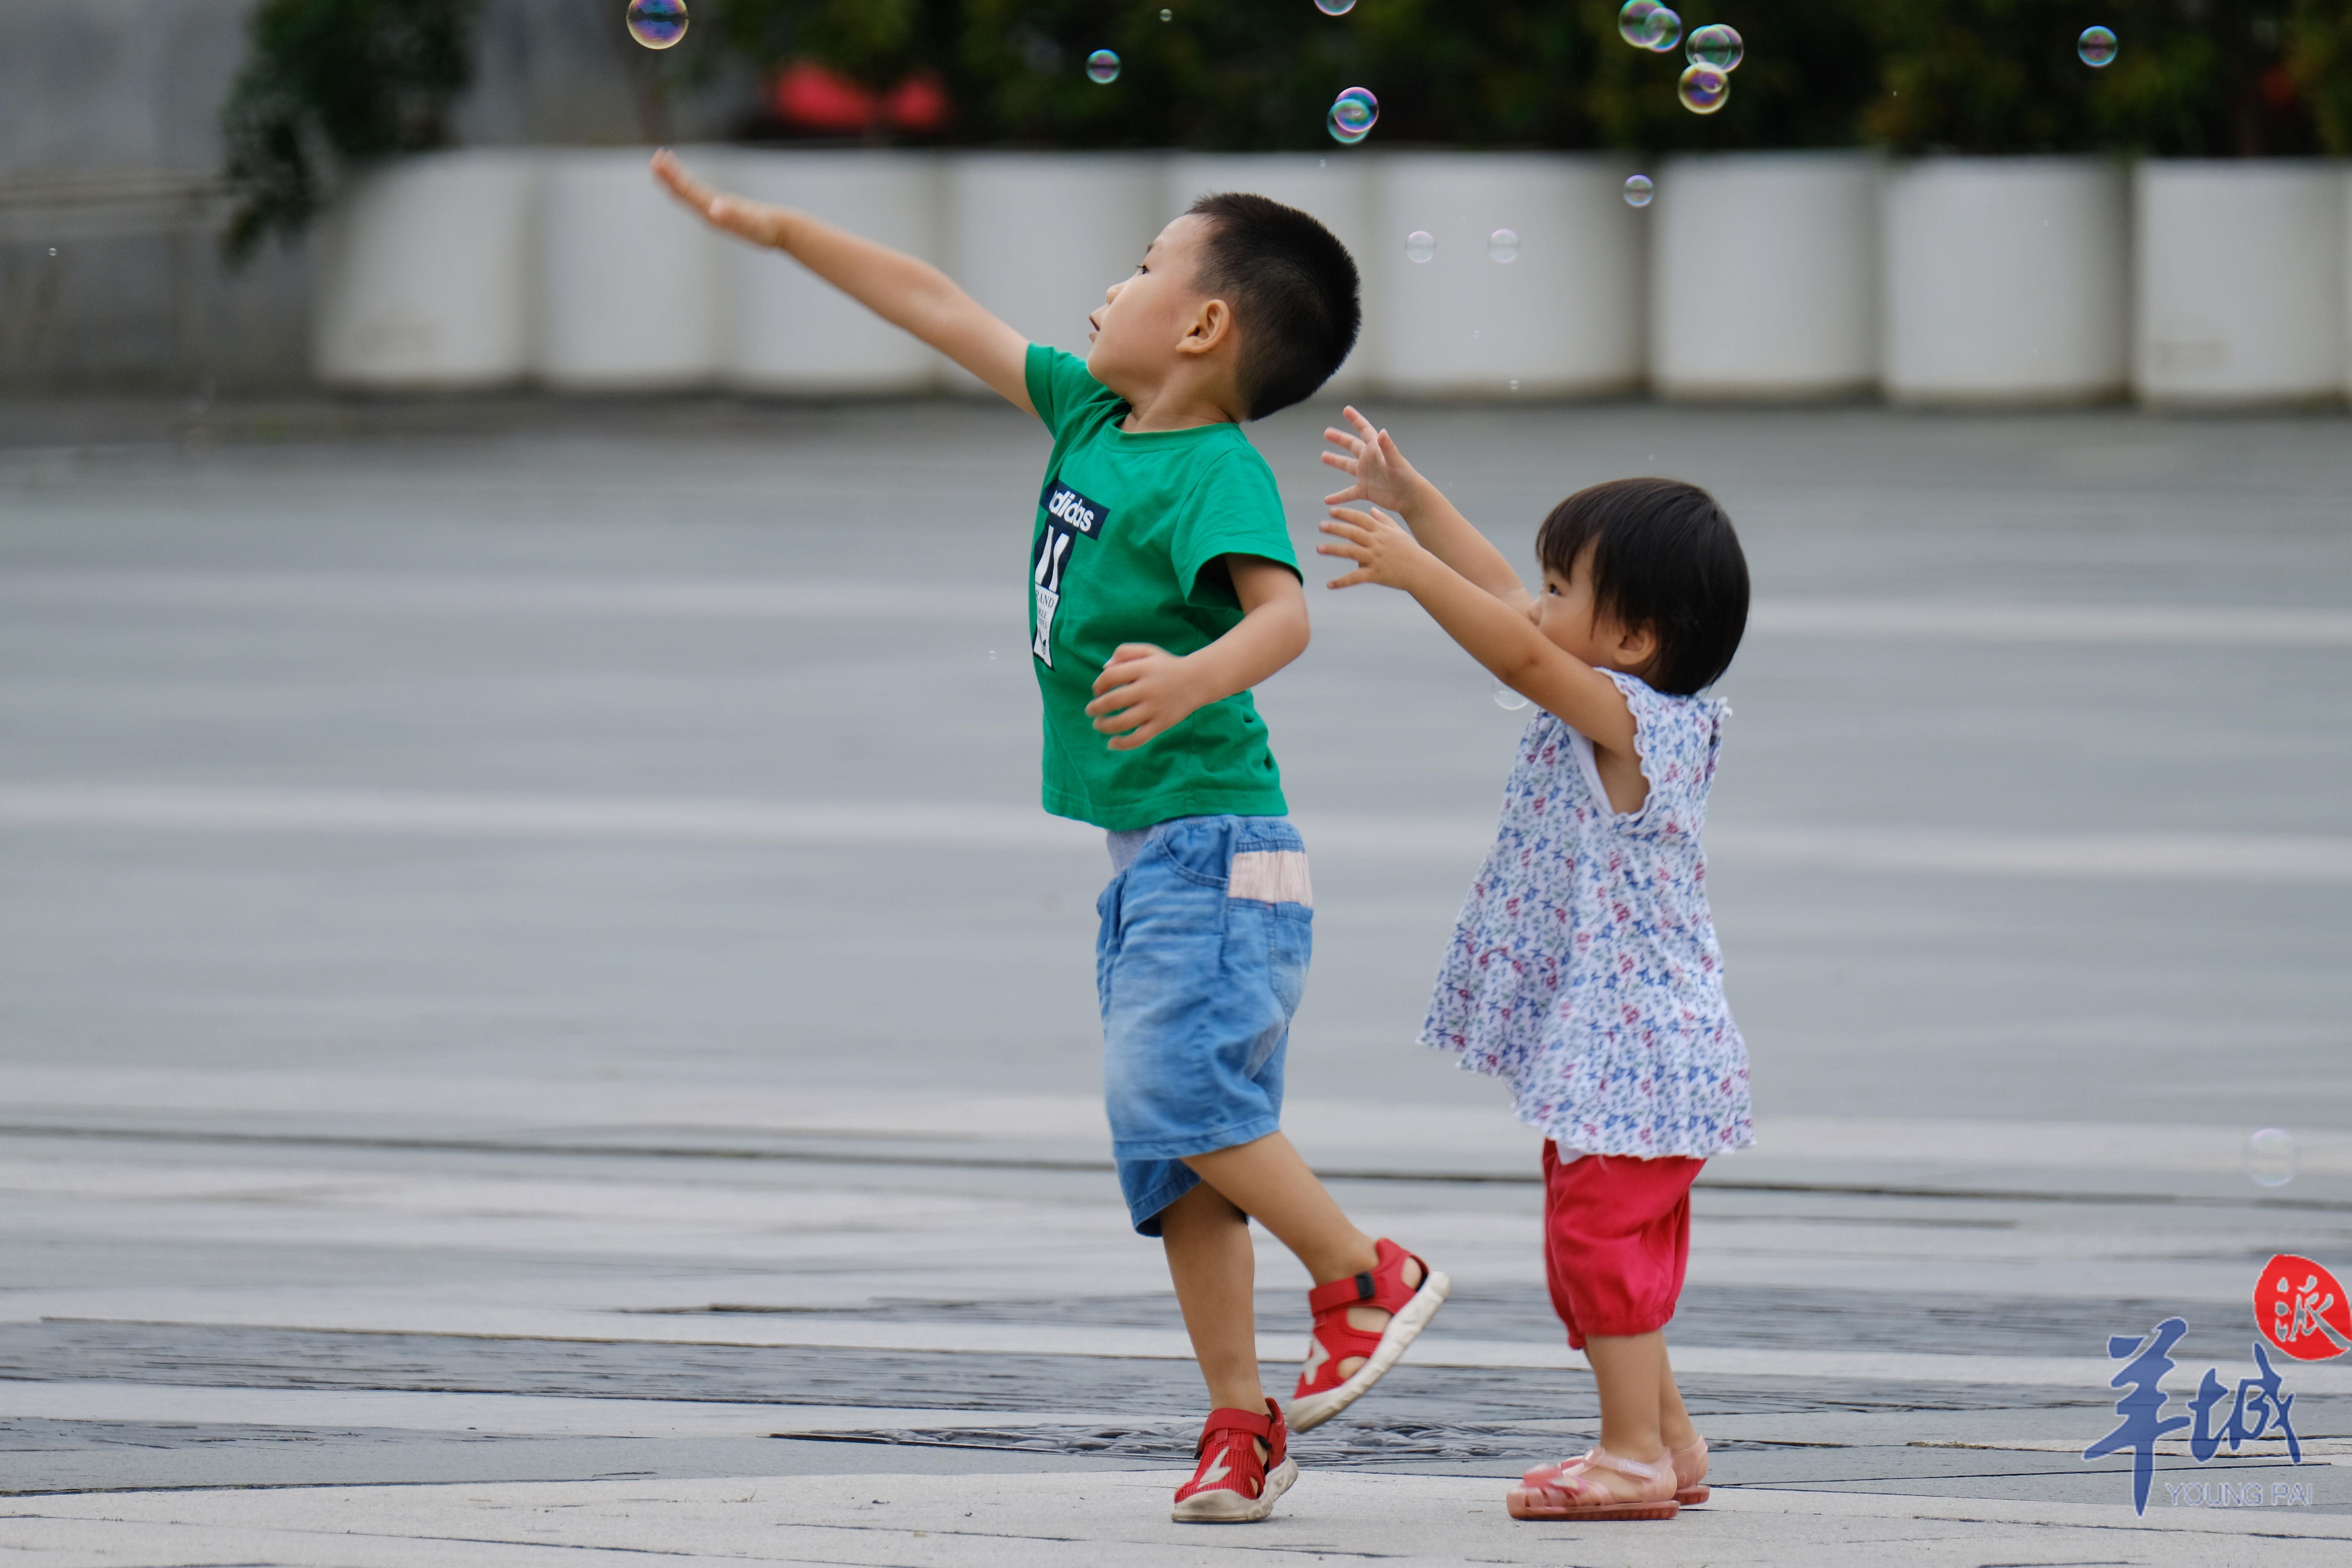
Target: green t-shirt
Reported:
[(1130, 527)]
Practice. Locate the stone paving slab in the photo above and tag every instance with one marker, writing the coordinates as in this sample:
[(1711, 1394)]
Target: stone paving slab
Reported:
[(1062, 1521)]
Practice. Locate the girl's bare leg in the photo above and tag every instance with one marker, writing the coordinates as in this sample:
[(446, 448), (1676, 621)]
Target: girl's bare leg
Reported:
[(1632, 1375)]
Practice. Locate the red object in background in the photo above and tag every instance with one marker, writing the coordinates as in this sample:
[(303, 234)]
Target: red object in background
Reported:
[(2301, 1309), (813, 97), (2277, 88)]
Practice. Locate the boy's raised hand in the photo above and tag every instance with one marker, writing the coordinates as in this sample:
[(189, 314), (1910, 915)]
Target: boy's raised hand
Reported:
[(754, 221), (1382, 548), (1370, 458)]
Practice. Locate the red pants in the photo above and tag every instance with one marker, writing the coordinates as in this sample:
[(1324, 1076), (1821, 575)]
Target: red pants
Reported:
[(1616, 1240)]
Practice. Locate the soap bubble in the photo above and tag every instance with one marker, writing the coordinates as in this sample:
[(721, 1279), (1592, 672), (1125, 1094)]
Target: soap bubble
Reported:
[(1354, 114), (1638, 190), (1508, 701), (656, 23), (1664, 31), (1335, 8), (1705, 89), (1715, 46), (1419, 244), (1166, 15), (1503, 246), (1633, 22), (2097, 45), (1103, 66), (2271, 1157)]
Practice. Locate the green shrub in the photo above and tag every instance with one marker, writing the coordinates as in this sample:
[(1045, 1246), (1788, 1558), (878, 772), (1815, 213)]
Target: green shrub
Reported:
[(327, 84)]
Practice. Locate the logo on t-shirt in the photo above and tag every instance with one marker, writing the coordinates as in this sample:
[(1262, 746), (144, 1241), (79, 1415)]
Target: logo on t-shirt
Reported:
[(1068, 515)]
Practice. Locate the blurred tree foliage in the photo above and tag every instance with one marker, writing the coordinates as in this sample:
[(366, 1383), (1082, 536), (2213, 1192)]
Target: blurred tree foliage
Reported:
[(2191, 77), (329, 83)]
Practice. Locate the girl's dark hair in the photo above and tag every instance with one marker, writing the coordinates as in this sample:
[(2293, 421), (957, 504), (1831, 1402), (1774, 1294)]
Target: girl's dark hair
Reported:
[(1664, 557)]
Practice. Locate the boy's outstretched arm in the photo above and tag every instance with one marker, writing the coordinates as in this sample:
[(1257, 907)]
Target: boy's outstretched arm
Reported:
[(1381, 476), (910, 294), (1145, 690)]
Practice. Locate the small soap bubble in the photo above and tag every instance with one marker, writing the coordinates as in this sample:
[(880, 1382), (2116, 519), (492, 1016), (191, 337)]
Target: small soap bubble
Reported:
[(1354, 114), (1515, 383), (1639, 189), (1503, 246), (1508, 701), (2097, 45), (2271, 1157), (1633, 22), (1716, 45), (1664, 31), (1335, 8), (1419, 246), (1102, 66), (656, 23), (1166, 15), (1705, 89)]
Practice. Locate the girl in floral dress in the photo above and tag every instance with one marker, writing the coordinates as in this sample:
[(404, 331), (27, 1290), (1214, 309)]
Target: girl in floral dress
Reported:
[(1584, 969)]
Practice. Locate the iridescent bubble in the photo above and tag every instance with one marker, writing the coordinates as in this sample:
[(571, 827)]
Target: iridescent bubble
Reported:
[(1166, 15), (1639, 188), (656, 23), (1335, 8), (2097, 45), (1508, 701), (2271, 1157), (1503, 246), (1419, 244), (1664, 31), (1633, 22), (1705, 89), (1354, 114), (1103, 66), (1715, 45)]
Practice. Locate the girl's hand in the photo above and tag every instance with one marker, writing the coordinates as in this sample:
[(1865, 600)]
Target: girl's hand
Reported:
[(1370, 458), (1383, 552)]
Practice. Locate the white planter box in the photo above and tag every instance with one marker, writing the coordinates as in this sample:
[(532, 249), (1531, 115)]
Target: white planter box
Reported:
[(1764, 276), (794, 333), (1037, 237), (1564, 318), (1336, 188), (628, 279), (425, 275), (2008, 280), (2240, 286)]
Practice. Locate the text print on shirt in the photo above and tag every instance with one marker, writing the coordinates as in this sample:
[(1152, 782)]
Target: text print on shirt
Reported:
[(1068, 515)]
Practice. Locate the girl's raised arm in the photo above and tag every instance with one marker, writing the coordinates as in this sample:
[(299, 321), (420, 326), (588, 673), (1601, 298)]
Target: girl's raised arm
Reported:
[(1382, 477)]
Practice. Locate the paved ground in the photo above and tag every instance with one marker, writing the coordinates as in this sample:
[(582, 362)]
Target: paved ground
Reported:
[(540, 1013)]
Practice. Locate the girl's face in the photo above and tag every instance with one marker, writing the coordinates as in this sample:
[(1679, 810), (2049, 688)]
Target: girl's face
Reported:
[(1564, 611)]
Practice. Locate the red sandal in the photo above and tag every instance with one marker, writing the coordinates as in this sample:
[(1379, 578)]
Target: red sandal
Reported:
[(1570, 1490), (1230, 1484), (1322, 1392)]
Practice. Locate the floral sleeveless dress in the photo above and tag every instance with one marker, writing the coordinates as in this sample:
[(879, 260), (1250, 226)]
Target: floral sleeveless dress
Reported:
[(1584, 968)]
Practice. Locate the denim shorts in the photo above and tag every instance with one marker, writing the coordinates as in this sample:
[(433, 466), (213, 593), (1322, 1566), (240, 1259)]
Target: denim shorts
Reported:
[(1202, 955)]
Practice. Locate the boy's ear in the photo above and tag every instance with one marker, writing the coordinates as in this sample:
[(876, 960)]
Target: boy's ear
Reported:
[(1212, 325)]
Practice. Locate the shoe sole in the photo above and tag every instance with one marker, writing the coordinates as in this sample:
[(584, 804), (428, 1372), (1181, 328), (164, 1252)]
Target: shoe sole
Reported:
[(1690, 1497), (1231, 1508), (1314, 1409), (1524, 1504)]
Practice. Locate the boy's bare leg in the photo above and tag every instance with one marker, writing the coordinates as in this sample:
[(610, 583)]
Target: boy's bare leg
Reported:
[(1632, 1373), (1268, 1180), (1210, 1257)]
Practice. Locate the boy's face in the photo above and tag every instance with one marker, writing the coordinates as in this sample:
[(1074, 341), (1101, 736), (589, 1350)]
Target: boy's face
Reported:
[(1150, 321)]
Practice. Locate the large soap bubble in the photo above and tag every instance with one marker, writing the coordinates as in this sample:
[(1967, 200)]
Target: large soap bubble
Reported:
[(1705, 89), (1420, 246), (1638, 190), (1715, 46), (1102, 66), (1664, 31), (2097, 45), (656, 23), (1354, 114), (1503, 246), (2271, 1157), (1335, 8)]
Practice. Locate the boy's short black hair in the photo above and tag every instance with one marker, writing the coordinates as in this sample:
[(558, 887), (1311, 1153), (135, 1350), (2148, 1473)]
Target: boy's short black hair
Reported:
[(1294, 290), (1664, 557)]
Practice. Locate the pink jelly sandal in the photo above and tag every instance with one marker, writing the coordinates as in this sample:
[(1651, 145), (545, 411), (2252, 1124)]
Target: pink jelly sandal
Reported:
[(1690, 1474), (1570, 1490)]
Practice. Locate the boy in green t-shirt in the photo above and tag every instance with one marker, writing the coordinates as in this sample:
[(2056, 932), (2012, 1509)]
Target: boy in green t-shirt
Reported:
[(1162, 588)]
